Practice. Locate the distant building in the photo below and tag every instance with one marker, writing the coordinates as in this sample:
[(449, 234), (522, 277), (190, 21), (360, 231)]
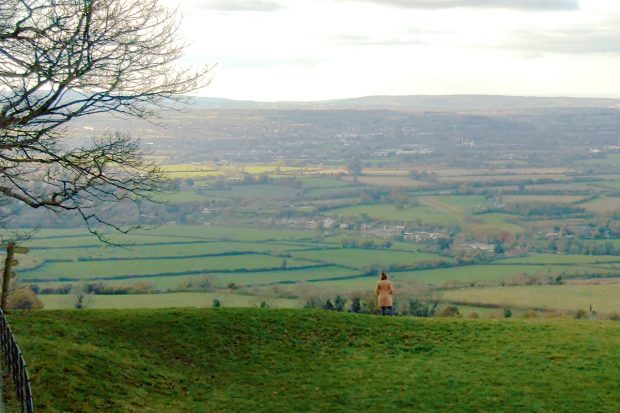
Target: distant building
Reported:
[(420, 236), (329, 223), (479, 246)]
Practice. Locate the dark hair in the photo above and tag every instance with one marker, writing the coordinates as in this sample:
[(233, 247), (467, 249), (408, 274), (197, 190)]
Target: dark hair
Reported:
[(383, 276)]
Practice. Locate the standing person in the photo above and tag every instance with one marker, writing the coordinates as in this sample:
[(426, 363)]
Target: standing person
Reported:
[(384, 292)]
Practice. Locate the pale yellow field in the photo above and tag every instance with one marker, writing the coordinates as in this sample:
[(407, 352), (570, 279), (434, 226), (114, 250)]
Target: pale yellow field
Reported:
[(572, 186), (603, 205), (266, 169), (542, 198), (602, 298), (395, 181), (53, 302), (191, 170), (456, 172), (385, 172), (499, 178)]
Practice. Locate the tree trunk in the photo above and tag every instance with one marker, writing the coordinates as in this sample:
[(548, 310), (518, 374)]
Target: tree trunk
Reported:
[(6, 275)]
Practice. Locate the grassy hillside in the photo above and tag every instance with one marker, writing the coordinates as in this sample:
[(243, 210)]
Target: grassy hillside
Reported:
[(241, 360)]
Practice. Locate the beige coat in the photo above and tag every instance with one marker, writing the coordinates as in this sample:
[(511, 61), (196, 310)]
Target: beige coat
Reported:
[(384, 293)]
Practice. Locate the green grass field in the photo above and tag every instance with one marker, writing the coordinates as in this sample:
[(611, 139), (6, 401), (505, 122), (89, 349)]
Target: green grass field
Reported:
[(561, 259), (502, 222), (123, 268), (359, 258), (241, 360), (462, 202), (174, 248), (165, 283), (426, 214), (318, 182)]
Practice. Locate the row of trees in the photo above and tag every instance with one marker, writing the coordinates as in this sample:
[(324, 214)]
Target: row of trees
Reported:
[(367, 304)]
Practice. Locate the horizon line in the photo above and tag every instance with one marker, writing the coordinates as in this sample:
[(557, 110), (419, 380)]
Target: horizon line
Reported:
[(615, 97)]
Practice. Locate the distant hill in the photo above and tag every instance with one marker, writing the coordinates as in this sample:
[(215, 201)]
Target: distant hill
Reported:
[(257, 360), (418, 102)]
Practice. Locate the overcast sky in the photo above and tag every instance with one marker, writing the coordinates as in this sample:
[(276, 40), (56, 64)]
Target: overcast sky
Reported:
[(323, 49)]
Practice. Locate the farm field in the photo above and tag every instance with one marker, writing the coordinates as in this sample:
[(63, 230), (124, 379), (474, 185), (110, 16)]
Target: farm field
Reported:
[(501, 178), (176, 258), (262, 226), (561, 259), (560, 187), (190, 360), (241, 279), (542, 198), (601, 298), (494, 221), (323, 183), (612, 159), (253, 193), (174, 247), (441, 277), (461, 202), (614, 184), (357, 258), (168, 300), (603, 205), (88, 270), (210, 170), (395, 181), (426, 214)]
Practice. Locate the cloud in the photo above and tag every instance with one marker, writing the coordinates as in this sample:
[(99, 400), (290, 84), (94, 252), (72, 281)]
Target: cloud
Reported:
[(359, 40), (603, 39), (238, 5), (540, 5), (407, 38), (265, 62)]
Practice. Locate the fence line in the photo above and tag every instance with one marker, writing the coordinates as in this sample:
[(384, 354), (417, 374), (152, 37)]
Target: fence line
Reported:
[(14, 361)]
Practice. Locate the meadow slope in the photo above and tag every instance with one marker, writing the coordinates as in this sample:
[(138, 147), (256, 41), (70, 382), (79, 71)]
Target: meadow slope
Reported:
[(253, 360)]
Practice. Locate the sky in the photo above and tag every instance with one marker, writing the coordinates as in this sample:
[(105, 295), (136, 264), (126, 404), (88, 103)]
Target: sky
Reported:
[(273, 50)]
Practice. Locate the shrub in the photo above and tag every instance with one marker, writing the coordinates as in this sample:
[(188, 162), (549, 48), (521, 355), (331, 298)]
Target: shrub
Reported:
[(24, 299), (328, 305), (264, 304), (78, 302), (63, 289), (207, 284), (450, 311), (614, 316), (313, 302), (356, 305), (473, 314), (419, 308), (507, 313), (339, 303), (217, 303), (581, 314), (370, 305), (531, 314)]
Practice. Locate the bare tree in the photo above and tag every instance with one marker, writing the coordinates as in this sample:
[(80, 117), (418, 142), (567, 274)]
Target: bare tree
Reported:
[(65, 59)]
